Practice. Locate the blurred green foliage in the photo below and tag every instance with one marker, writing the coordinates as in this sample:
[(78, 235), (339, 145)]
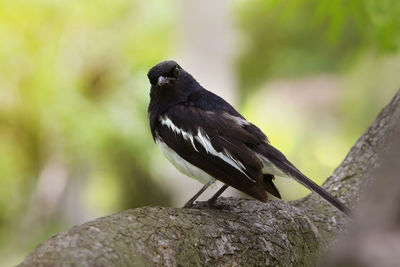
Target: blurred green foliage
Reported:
[(355, 43), (74, 95), (299, 37)]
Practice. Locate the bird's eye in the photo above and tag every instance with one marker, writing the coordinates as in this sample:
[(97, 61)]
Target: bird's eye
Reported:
[(176, 72)]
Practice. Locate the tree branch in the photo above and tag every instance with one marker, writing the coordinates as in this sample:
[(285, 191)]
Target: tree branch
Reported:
[(374, 236), (235, 232)]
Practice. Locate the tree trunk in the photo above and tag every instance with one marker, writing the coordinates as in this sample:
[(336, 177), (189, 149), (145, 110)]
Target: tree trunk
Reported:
[(236, 232)]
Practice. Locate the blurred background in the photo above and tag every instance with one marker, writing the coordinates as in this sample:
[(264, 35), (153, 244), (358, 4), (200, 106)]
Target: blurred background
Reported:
[(74, 137)]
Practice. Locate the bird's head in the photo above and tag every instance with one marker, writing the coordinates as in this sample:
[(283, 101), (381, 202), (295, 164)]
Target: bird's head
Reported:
[(169, 81), (164, 73)]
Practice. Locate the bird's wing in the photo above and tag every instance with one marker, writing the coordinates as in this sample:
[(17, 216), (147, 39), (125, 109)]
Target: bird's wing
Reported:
[(217, 143), (273, 161), (208, 101)]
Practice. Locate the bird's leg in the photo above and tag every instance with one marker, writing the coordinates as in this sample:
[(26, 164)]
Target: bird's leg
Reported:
[(217, 194), (193, 199)]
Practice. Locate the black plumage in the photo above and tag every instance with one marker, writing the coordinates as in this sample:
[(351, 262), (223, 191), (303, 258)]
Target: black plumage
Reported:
[(205, 137)]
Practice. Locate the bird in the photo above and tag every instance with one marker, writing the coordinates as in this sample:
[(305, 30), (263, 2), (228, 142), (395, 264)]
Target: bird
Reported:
[(206, 138)]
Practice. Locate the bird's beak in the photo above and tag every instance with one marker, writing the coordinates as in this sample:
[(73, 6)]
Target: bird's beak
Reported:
[(162, 80)]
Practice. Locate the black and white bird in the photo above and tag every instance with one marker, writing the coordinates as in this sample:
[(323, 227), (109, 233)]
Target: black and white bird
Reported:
[(204, 137)]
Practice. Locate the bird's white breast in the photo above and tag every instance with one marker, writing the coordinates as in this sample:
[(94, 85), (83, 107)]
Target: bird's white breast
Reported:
[(182, 165)]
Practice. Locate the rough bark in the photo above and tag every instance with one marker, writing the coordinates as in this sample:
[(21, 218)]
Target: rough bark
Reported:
[(374, 237), (236, 232)]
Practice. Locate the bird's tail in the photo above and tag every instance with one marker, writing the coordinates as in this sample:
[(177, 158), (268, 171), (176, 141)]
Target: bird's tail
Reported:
[(304, 180), (280, 161)]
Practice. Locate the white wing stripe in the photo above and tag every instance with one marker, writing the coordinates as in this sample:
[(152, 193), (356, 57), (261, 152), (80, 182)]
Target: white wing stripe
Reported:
[(204, 140), (187, 136), (241, 166)]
